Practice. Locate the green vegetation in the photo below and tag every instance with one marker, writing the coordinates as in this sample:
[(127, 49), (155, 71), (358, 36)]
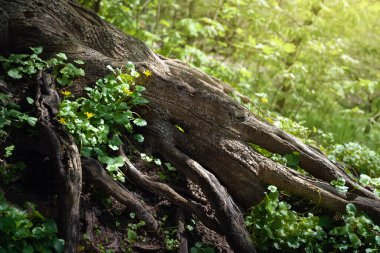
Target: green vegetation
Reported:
[(273, 224), (309, 67), (99, 120), (18, 66), (312, 61), (26, 231)]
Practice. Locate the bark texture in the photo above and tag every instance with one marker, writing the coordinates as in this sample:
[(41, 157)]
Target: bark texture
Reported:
[(213, 151)]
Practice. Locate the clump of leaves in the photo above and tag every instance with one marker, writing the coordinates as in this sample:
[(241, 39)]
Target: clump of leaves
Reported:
[(361, 158), (99, 120), (26, 231), (171, 243), (273, 225), (10, 114), (340, 184), (132, 232), (358, 234), (18, 66), (200, 247)]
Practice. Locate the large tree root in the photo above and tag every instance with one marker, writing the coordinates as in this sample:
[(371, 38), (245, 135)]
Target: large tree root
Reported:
[(225, 208), (66, 157), (97, 175), (166, 191)]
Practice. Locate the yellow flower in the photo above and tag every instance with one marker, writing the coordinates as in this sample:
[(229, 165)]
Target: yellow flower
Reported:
[(62, 121), (264, 100), (126, 90), (89, 114), (147, 72), (66, 93)]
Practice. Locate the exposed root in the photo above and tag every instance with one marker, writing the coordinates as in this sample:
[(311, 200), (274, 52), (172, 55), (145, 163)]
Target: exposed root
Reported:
[(166, 191), (66, 158), (312, 161), (181, 232), (225, 209), (90, 218), (320, 192), (96, 174)]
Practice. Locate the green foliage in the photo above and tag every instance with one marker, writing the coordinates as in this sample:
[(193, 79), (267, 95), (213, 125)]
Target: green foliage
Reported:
[(310, 60), (18, 66), (100, 120), (10, 115), (274, 225), (358, 233), (26, 231), (201, 248), (359, 157), (171, 243), (340, 184), (132, 232)]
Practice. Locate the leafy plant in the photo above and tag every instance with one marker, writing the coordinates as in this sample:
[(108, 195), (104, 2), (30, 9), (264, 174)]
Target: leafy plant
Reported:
[(199, 247), (171, 243), (273, 225), (340, 184), (361, 158), (100, 120), (10, 114), (26, 231), (132, 232), (18, 66)]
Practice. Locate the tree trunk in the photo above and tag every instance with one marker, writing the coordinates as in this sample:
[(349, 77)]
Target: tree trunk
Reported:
[(213, 151)]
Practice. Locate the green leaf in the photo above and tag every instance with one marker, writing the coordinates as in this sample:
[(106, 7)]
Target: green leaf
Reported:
[(132, 235), (272, 188), (30, 100), (50, 227), (62, 56), (292, 160), (354, 239), (9, 150), (37, 50), (59, 245), (14, 73), (31, 121), (80, 62), (140, 122), (139, 137)]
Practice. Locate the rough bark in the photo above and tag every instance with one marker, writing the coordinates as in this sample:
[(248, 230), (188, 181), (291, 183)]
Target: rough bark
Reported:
[(213, 151), (64, 152)]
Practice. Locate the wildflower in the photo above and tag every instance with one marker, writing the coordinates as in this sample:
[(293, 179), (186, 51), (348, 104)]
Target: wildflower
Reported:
[(62, 121), (66, 93), (147, 72), (89, 114), (126, 90), (264, 100)]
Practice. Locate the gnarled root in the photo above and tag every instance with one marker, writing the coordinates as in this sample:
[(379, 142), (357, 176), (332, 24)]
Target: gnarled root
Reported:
[(96, 174)]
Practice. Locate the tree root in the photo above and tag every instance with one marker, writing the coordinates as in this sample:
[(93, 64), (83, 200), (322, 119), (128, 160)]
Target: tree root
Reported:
[(320, 192), (225, 209), (181, 232), (96, 174), (66, 157), (166, 191)]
